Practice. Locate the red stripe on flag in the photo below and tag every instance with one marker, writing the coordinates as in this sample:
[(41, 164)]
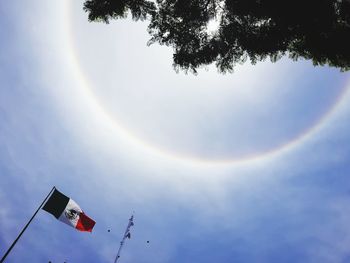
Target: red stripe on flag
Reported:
[(85, 223)]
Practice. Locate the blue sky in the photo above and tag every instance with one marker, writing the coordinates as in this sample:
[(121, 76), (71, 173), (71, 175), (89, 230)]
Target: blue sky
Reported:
[(243, 167)]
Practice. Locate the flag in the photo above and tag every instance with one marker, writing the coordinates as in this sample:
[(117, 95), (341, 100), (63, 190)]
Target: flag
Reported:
[(66, 210)]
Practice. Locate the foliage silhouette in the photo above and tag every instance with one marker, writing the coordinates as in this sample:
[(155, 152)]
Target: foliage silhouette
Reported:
[(317, 30)]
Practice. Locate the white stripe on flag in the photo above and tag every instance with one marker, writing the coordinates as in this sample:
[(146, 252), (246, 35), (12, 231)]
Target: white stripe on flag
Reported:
[(70, 215)]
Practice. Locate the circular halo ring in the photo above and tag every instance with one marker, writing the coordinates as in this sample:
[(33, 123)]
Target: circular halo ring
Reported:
[(183, 158)]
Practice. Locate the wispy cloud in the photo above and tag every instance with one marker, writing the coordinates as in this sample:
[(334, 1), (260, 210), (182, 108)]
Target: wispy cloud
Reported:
[(289, 207)]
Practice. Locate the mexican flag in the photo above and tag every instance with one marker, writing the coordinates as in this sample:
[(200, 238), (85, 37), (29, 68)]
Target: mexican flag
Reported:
[(68, 211)]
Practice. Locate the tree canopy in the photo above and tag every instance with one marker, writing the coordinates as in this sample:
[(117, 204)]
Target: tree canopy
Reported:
[(317, 30)]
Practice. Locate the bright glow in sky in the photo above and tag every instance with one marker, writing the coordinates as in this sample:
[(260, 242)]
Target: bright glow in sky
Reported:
[(243, 167)]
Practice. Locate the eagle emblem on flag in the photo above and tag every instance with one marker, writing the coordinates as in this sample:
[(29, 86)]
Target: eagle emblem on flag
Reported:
[(71, 214)]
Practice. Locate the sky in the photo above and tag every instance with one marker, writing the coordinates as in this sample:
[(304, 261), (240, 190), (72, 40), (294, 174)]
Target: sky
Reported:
[(244, 167)]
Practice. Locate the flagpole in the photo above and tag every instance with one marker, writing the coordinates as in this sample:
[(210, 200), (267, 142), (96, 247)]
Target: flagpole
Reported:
[(20, 234), (124, 237)]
